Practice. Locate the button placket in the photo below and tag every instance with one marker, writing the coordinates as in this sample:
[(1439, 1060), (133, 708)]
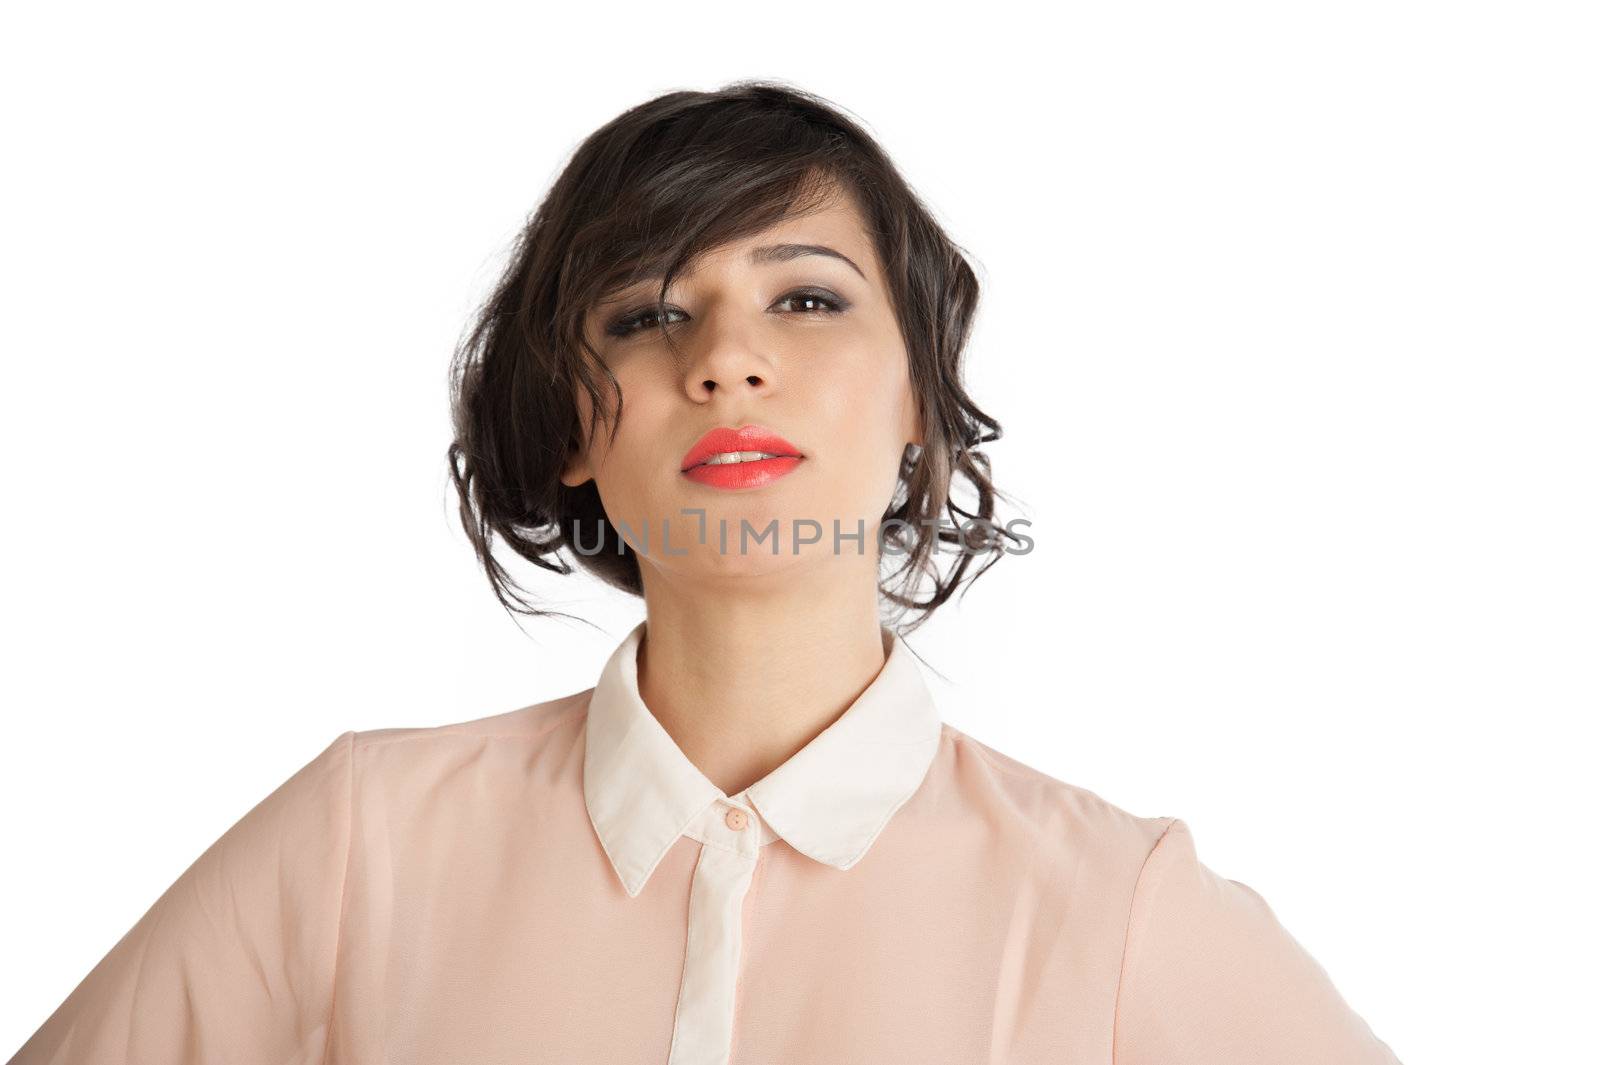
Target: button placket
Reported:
[(702, 1031)]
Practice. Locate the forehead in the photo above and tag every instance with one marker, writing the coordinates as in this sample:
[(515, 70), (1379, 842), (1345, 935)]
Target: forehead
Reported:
[(837, 225), (835, 231)]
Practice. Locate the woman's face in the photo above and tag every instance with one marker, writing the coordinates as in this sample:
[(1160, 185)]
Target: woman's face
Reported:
[(769, 333)]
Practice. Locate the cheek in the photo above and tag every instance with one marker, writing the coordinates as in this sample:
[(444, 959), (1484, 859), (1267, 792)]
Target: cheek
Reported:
[(860, 409), (881, 389), (858, 393), (634, 462), (598, 431)]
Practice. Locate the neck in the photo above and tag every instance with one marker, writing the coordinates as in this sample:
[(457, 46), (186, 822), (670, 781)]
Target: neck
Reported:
[(741, 678)]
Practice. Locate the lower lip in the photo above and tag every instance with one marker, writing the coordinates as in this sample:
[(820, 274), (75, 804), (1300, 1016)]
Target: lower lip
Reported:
[(743, 474)]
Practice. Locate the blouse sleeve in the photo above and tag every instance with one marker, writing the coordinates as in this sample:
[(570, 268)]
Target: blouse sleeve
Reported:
[(1209, 977), (235, 961)]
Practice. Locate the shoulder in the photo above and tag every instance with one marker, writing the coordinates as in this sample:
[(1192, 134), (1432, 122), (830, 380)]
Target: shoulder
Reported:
[(500, 749), (1061, 821), (527, 724)]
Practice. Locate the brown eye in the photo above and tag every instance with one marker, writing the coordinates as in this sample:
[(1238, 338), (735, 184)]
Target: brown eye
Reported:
[(636, 321), (808, 301), (830, 303)]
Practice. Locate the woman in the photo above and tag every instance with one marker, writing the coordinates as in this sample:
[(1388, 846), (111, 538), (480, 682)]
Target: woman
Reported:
[(723, 372)]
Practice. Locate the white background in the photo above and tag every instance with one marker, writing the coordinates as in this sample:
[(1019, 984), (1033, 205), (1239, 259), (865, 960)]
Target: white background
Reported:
[(1289, 317)]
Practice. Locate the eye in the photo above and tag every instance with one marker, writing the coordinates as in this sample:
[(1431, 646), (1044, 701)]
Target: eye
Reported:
[(822, 302), (831, 304), (635, 321)]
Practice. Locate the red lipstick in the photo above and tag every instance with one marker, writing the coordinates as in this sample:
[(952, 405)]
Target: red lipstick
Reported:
[(751, 473)]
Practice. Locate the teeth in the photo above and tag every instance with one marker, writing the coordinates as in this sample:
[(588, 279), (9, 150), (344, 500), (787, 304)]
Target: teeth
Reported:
[(728, 457)]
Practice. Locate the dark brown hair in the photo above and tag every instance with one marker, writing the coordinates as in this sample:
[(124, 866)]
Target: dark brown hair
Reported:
[(644, 195)]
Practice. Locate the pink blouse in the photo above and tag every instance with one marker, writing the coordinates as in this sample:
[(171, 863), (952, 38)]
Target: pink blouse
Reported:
[(559, 884)]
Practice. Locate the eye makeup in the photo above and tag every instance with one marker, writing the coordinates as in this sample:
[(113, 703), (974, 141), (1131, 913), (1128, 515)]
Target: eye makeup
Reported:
[(649, 316)]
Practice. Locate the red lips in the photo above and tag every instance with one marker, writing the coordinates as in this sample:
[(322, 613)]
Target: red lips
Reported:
[(745, 438), (740, 475)]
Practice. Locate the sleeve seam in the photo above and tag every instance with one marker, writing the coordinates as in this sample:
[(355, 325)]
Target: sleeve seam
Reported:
[(349, 850), (1127, 933)]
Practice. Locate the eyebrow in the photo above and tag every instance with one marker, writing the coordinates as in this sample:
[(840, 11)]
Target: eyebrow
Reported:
[(782, 253), (766, 253)]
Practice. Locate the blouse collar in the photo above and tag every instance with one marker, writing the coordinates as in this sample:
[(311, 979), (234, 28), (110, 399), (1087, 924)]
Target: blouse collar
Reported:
[(829, 801)]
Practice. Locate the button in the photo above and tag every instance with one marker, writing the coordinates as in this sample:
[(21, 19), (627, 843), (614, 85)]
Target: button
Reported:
[(735, 819)]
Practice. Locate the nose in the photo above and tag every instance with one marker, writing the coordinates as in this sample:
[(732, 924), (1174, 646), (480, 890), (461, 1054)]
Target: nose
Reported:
[(725, 354)]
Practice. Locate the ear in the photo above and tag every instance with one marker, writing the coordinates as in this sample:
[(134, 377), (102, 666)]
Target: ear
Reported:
[(576, 471)]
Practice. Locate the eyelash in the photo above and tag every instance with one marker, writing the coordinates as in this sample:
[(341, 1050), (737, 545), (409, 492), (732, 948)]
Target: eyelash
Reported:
[(630, 323)]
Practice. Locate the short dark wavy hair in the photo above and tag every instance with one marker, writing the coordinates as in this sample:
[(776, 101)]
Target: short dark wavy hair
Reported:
[(643, 195)]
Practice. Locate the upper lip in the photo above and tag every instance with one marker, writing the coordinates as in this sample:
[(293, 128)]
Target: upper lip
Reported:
[(744, 438)]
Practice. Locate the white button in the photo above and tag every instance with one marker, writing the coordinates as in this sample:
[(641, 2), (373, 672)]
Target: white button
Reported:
[(735, 819)]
